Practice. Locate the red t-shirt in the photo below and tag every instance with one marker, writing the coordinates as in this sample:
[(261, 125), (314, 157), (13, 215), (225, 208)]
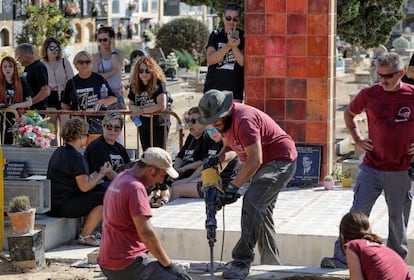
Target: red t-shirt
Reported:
[(120, 245), (378, 262), (390, 125), (249, 125)]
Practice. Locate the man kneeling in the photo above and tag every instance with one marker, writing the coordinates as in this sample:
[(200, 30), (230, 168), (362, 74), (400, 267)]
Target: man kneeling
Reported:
[(127, 233)]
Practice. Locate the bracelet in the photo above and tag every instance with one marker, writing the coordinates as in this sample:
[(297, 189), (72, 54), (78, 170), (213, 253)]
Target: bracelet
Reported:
[(113, 53)]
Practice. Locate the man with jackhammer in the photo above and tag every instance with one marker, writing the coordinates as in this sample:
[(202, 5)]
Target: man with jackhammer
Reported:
[(268, 155)]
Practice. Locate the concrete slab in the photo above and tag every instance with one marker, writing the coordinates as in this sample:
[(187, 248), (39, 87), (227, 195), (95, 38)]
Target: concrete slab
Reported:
[(307, 222)]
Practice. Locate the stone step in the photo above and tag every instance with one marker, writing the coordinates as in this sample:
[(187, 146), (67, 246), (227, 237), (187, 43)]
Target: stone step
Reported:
[(55, 231)]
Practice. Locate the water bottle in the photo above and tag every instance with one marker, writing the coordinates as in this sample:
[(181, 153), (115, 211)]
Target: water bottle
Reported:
[(137, 121), (104, 95)]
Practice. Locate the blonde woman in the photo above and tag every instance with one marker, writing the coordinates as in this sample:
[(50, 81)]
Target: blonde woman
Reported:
[(83, 91)]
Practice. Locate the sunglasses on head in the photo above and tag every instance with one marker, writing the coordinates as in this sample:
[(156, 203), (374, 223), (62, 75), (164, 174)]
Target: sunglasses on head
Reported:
[(100, 40), (111, 127), (229, 18), (387, 76), (213, 130), (82, 62), (54, 49), (146, 70), (192, 121)]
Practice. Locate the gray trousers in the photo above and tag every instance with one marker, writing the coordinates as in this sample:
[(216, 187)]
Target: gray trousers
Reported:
[(257, 213), (398, 191), (142, 268)]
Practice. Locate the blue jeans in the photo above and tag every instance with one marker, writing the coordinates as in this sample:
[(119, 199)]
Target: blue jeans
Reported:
[(398, 192), (257, 213)]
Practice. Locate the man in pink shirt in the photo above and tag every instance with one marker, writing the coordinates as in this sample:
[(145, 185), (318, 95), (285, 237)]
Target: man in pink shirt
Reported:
[(268, 155), (127, 233), (389, 148)]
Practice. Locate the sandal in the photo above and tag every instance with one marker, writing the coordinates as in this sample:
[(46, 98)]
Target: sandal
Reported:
[(89, 240), (157, 202)]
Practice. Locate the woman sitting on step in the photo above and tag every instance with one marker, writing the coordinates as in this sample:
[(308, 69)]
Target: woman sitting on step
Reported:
[(75, 192)]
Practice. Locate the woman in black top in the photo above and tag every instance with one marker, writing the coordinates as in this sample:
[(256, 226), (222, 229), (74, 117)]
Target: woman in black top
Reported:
[(148, 94)]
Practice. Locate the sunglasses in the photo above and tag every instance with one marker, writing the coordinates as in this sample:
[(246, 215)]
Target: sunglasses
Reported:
[(111, 127), (229, 18), (82, 62), (146, 70), (213, 130), (100, 40), (54, 49), (387, 76), (192, 121)]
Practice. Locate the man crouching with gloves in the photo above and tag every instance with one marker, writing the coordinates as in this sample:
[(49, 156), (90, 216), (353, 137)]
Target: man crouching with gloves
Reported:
[(268, 155)]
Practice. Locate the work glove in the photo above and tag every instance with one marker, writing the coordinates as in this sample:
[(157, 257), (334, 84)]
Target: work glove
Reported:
[(230, 194), (181, 274), (411, 171)]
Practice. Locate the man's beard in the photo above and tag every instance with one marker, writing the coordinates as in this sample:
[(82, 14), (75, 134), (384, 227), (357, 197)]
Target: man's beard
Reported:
[(227, 120)]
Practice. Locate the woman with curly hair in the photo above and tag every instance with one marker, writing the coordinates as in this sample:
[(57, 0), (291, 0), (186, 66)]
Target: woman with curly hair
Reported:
[(366, 256), (75, 192), (14, 93), (148, 94)]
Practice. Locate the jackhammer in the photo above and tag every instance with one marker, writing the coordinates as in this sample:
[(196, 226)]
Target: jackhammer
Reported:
[(214, 197)]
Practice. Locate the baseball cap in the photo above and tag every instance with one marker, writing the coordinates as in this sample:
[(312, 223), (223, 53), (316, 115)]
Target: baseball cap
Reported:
[(159, 158), (213, 105)]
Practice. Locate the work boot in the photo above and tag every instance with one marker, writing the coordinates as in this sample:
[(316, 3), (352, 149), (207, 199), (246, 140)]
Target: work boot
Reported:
[(236, 269)]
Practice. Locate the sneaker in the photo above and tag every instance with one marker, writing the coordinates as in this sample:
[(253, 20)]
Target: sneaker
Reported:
[(332, 263), (236, 269)]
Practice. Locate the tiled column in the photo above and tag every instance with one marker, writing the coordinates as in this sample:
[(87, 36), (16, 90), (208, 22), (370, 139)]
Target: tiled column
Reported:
[(290, 68)]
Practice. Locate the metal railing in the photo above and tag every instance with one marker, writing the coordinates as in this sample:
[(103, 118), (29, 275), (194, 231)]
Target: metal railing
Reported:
[(59, 115)]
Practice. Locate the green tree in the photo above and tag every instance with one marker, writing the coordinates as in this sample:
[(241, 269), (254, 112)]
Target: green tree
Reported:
[(368, 23), (365, 23), (43, 22), (182, 34)]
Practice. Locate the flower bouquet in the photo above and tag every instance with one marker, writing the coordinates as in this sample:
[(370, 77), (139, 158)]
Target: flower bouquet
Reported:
[(32, 130)]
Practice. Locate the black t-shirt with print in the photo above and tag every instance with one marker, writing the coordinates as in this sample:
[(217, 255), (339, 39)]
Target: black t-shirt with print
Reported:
[(27, 92), (227, 74), (10, 94), (144, 99), (99, 151), (83, 94)]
